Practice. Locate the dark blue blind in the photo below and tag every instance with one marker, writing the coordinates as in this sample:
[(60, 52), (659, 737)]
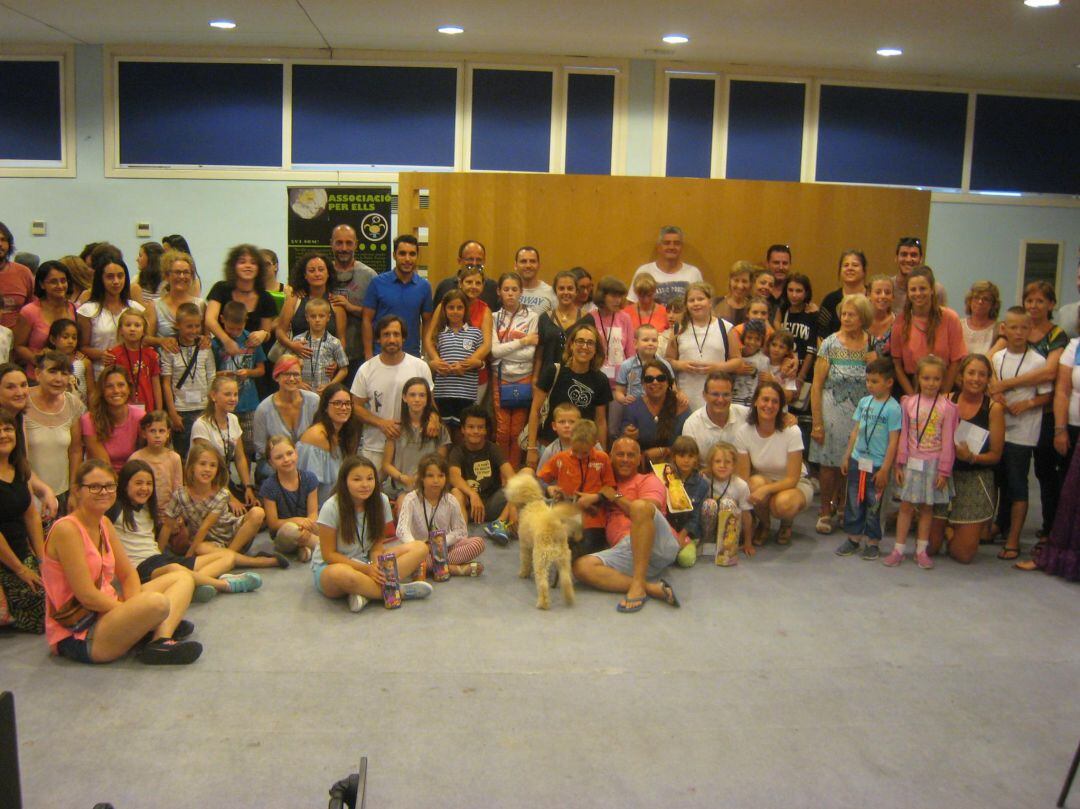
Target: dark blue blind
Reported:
[(383, 116), (511, 120), (1026, 144), (200, 114), (892, 137), (590, 110), (30, 98), (765, 129), (690, 127)]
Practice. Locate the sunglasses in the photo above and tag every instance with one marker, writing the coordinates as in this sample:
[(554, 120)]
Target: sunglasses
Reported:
[(648, 378)]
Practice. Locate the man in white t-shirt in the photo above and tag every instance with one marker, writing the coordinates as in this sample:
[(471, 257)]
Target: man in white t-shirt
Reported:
[(719, 418), (672, 275), (376, 390), (536, 294), (1067, 315)]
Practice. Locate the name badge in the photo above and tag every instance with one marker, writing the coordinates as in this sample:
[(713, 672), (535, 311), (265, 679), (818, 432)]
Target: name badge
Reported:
[(915, 464), (190, 397), (866, 465)]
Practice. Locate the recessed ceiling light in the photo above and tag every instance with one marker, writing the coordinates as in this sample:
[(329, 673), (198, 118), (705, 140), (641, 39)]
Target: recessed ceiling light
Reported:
[(450, 29), (889, 52), (225, 25), (676, 39), (1042, 3)]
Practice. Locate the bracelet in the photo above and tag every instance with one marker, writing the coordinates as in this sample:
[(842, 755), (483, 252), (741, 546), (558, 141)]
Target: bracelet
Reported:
[(1059, 429), (531, 449)]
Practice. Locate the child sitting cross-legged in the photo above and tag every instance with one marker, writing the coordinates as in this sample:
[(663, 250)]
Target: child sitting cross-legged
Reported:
[(685, 457), (479, 472), (290, 498), (578, 474)]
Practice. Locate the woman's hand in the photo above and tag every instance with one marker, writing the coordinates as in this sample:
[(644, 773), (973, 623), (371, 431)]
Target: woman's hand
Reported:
[(232, 348), (964, 453), (299, 349), (30, 578), (236, 506), (170, 345), (1061, 442), (630, 431), (760, 496), (817, 433), (257, 338)]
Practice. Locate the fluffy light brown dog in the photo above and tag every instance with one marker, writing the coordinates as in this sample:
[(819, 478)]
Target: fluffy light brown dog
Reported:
[(544, 533)]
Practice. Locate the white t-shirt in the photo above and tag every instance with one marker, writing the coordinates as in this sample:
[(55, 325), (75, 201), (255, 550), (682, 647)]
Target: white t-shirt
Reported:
[(707, 433), (540, 298), (1022, 429), (1066, 318), (207, 431), (381, 385), (1068, 359), (103, 325), (140, 543), (769, 456), (705, 344), (981, 341), (360, 549), (669, 285)]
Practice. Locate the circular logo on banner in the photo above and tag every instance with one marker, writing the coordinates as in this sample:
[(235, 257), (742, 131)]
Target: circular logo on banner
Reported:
[(374, 227)]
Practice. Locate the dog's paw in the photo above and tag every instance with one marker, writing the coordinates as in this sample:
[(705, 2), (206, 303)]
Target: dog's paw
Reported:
[(543, 604)]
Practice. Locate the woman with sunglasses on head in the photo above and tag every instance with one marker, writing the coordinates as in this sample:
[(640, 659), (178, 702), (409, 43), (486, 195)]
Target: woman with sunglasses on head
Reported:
[(656, 418)]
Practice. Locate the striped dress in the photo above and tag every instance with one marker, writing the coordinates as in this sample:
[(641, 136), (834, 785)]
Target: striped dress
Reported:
[(458, 346)]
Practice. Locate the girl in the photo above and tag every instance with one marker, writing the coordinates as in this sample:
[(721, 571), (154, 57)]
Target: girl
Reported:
[(147, 287), (796, 317), (616, 330), (704, 344), (110, 429), (686, 456), (165, 462), (243, 275), (781, 348), (20, 535), (881, 299), (727, 507), (135, 517), (353, 525), (430, 506), (51, 422), (732, 307), (202, 507), (513, 350), (584, 289), (99, 316), (220, 428), (334, 435), (402, 454), (925, 457), (757, 309), (554, 326), (456, 354), (291, 500), (140, 361), (645, 309)]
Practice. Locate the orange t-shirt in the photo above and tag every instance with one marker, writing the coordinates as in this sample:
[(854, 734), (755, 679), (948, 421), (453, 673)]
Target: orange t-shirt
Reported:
[(589, 475)]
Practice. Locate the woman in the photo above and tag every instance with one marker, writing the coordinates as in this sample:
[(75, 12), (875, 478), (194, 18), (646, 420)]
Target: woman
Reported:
[(310, 279), (477, 313), (334, 435), (514, 339), (270, 279), (655, 419), (289, 412), (14, 398), (20, 535), (881, 299), (82, 558), (980, 327), (179, 271), (554, 326), (975, 500), (51, 421), (82, 277), (839, 384), (99, 317), (585, 285), (110, 430), (147, 287), (925, 327), (852, 275), (770, 461), (704, 344), (52, 287), (180, 244), (577, 380), (244, 272)]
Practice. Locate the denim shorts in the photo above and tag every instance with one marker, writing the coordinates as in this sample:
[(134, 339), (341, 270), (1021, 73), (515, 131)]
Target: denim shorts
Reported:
[(664, 550), (78, 650)]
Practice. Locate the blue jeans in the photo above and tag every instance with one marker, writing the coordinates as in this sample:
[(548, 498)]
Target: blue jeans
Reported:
[(865, 517), (182, 441)]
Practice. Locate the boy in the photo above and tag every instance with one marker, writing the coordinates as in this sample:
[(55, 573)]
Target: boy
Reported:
[(478, 473), (753, 338), (578, 474), (1023, 421), (685, 457), (628, 377), (566, 416), (868, 459), (326, 363), (245, 367), (186, 376)]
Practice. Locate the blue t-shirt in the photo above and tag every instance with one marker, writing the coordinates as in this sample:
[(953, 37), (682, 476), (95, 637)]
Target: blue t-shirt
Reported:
[(249, 395), (290, 504), (360, 548), (387, 295), (876, 420)]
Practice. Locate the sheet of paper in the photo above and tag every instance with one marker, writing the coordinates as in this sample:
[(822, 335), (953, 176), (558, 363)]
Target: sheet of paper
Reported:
[(972, 435)]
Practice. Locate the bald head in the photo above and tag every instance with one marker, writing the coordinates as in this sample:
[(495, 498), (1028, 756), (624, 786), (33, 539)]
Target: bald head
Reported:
[(625, 458), (343, 245)]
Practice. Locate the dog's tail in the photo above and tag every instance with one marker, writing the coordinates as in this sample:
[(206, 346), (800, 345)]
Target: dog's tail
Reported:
[(523, 488)]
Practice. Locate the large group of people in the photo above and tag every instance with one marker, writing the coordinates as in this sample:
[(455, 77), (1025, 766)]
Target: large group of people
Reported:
[(148, 435)]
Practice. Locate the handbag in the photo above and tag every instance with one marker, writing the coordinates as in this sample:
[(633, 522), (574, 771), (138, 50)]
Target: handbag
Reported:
[(72, 614), (514, 395)]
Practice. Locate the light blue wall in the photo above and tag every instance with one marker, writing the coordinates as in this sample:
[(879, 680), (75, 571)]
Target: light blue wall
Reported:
[(966, 241)]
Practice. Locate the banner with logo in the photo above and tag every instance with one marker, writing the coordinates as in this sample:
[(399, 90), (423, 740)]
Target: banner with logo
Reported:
[(314, 212)]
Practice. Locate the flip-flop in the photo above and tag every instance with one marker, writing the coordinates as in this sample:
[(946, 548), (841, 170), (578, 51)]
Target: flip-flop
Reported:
[(631, 604), (1008, 554), (669, 593)]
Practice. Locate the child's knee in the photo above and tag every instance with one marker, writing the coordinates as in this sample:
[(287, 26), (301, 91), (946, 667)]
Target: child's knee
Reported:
[(255, 516)]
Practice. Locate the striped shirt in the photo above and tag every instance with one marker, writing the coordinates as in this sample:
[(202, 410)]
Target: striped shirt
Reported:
[(325, 351), (458, 346)]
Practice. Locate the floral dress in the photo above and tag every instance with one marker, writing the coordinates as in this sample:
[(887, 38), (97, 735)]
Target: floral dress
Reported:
[(844, 387)]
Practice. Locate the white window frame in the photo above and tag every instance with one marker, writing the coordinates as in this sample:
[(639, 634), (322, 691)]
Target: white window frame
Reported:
[(66, 165), (1020, 281)]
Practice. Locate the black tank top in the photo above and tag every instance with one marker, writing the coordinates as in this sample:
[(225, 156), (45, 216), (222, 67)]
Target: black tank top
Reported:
[(980, 419)]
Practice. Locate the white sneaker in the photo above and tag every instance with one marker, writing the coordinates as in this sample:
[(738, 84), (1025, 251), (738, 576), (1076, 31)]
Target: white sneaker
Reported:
[(356, 602), (416, 589)]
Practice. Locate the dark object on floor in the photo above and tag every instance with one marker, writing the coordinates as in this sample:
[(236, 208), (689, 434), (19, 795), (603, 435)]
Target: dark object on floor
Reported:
[(350, 792), (11, 794), (1069, 778)]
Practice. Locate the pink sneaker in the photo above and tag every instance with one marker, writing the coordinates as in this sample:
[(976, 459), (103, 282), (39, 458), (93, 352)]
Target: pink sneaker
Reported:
[(893, 559), (923, 560)]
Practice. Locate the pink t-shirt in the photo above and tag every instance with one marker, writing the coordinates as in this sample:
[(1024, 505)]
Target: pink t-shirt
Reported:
[(926, 431), (617, 332), (58, 590), (639, 487), (16, 290), (124, 438), (948, 340)]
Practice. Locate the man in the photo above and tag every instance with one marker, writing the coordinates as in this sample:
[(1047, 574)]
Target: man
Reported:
[(778, 262), (536, 294), (470, 254), (909, 255), (672, 275), (399, 292), (719, 419), (1068, 314), (641, 542), (347, 290), (376, 390), (16, 281)]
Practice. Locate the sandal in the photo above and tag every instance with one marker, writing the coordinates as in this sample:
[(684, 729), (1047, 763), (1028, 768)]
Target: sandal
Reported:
[(472, 569), (631, 604), (824, 524), (761, 533), (783, 536), (669, 594), (1008, 554)]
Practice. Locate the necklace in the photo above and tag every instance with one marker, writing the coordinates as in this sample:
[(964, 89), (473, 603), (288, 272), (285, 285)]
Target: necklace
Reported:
[(700, 345)]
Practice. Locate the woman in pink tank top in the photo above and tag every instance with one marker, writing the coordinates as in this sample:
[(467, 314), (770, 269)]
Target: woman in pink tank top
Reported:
[(82, 558)]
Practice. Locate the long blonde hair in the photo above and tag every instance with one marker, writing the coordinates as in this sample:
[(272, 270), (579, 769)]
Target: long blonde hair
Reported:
[(697, 286)]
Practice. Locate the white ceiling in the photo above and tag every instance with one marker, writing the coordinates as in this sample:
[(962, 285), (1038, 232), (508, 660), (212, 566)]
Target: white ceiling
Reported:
[(976, 42)]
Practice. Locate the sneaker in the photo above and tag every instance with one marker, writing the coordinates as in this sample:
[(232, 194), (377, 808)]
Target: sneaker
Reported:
[(923, 560), (281, 559), (870, 553), (169, 652), (893, 559), (242, 582), (416, 589), (499, 532), (356, 602), (203, 593), (847, 548)]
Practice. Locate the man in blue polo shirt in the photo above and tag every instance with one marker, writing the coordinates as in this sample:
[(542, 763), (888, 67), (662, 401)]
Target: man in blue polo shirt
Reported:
[(399, 292)]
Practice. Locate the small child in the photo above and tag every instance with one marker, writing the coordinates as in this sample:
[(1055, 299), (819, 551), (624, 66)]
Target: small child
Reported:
[(687, 524), (431, 506), (323, 359), (676, 308), (140, 360), (566, 415), (628, 386), (616, 330), (479, 472), (753, 338), (1023, 421), (64, 337), (780, 348), (456, 370), (868, 460), (220, 428), (246, 367), (578, 474), (924, 459), (168, 469), (186, 376), (290, 498), (727, 513)]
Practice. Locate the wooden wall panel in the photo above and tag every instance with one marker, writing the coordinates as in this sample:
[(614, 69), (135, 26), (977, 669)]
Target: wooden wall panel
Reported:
[(609, 224)]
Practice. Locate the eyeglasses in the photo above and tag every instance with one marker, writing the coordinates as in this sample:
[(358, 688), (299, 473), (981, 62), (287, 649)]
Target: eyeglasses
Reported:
[(289, 375), (100, 488), (339, 403), (585, 343), (649, 378), (180, 273), (56, 281)]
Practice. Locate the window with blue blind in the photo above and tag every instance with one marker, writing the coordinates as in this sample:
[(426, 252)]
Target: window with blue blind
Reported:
[(590, 111), (30, 95), (511, 120), (690, 127), (765, 130)]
